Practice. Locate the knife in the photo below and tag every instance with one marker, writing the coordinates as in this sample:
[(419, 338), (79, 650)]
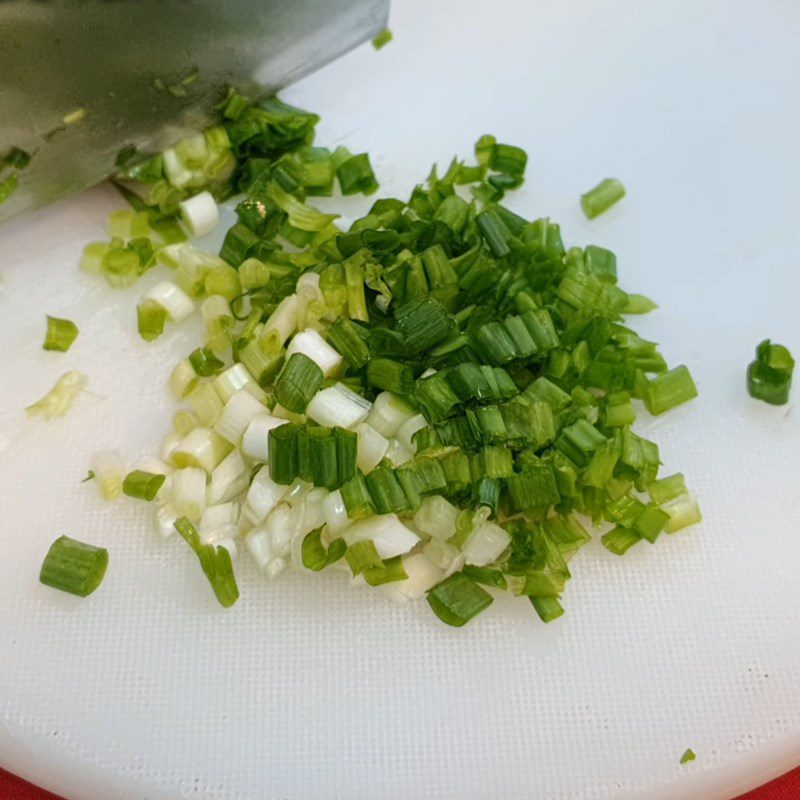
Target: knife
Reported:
[(82, 79)]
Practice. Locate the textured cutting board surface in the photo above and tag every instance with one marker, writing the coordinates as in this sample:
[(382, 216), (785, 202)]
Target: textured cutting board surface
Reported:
[(310, 689)]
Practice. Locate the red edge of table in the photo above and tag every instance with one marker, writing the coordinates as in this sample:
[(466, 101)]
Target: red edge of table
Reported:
[(785, 788)]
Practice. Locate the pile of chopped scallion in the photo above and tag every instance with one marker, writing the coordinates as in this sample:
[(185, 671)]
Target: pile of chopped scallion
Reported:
[(429, 401)]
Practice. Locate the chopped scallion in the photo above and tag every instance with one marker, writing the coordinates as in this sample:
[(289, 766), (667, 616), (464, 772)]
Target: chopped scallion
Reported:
[(73, 566)]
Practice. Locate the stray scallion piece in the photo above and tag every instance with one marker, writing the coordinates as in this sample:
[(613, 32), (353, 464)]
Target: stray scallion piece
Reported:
[(382, 39), (73, 566), (142, 485), (602, 197), (688, 756), (769, 376), (60, 335), (60, 398), (150, 319), (215, 561)]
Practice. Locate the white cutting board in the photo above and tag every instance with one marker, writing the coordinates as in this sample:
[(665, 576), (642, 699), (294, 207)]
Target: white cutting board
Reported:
[(309, 689)]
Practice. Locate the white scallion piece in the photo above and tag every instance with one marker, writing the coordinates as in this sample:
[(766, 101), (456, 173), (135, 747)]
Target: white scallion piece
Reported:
[(311, 344), (296, 492), (60, 398), (441, 553), (172, 299), (189, 492), (281, 324), (371, 447), (276, 567), (422, 576), (218, 521), (214, 307), (313, 514), (228, 479), (154, 465), (231, 380), (485, 544), (255, 442), (200, 213), (390, 536), (397, 454), (335, 513), (237, 414), (437, 517), (281, 525), (388, 413), (263, 495), (182, 379), (177, 173), (164, 518), (201, 447), (109, 473), (205, 402), (257, 543), (168, 445), (338, 405), (407, 430)]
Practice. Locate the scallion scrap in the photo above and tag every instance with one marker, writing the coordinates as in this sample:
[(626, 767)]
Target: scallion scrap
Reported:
[(73, 566), (602, 197), (60, 334), (769, 376)]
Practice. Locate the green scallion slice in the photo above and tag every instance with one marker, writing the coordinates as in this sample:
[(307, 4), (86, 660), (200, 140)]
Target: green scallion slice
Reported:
[(669, 390), (769, 376), (457, 599), (362, 556), (73, 566), (142, 485), (205, 363), (602, 197), (298, 382), (60, 335)]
